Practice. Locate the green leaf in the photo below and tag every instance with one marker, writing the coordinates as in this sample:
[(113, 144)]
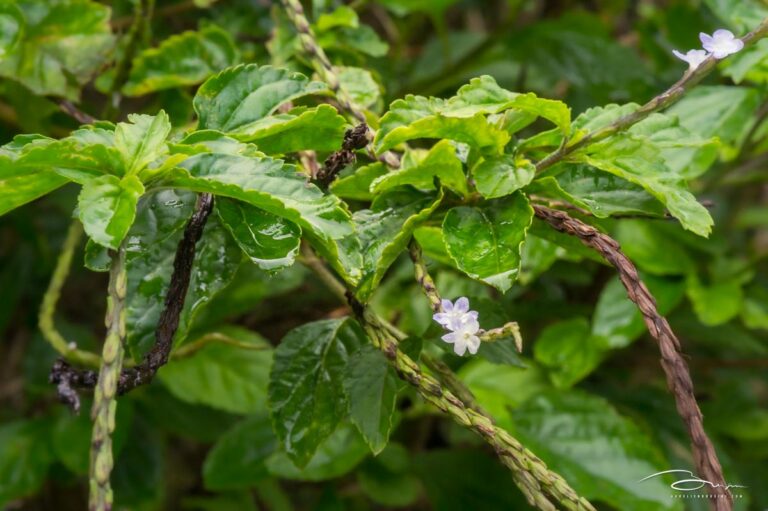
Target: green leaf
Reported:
[(600, 453), (360, 85), (420, 117), (357, 185), (601, 194), (716, 303), (371, 389), (617, 319), (61, 46), (568, 350), (275, 187), (483, 95), (462, 479), (238, 459), (223, 376), (318, 129), (498, 176), (22, 182), (269, 241), (335, 456), (107, 207), (485, 242), (637, 160), (419, 168), (305, 385), (25, 457), (721, 111), (155, 234), (742, 15), (181, 60), (241, 95), (490, 383), (12, 27), (687, 154), (387, 478), (341, 31), (653, 250), (142, 140), (384, 231)]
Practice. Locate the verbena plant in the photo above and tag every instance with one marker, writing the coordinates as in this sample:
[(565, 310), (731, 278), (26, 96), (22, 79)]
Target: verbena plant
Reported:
[(282, 167)]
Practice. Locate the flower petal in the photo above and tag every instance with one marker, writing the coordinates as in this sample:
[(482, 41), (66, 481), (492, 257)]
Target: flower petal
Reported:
[(705, 39), (473, 344), (447, 305), (450, 338), (460, 348), (462, 304), (722, 34)]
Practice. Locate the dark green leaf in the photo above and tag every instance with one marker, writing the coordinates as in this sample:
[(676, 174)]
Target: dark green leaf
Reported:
[(24, 458), (371, 389), (335, 456), (569, 351), (223, 376), (387, 479), (600, 453), (238, 459), (485, 241), (305, 385), (274, 187), (153, 239), (269, 241)]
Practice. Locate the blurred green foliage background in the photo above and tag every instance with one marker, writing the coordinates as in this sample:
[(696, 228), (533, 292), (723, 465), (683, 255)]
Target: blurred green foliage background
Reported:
[(591, 399)]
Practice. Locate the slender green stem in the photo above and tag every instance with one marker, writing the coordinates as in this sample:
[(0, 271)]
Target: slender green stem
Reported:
[(68, 350), (660, 102), (104, 403), (193, 347)]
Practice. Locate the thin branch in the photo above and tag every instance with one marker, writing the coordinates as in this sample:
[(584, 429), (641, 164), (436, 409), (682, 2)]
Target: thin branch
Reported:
[(103, 413), (324, 68), (68, 378), (48, 306), (71, 110), (660, 102), (673, 363)]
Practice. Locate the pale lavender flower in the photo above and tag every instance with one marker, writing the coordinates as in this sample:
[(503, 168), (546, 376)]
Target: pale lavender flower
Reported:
[(721, 43), (464, 337), (694, 57), (454, 314)]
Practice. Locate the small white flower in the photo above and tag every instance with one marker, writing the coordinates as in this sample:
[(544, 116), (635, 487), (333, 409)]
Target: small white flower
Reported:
[(721, 43), (72, 346), (464, 337), (694, 57), (454, 314)]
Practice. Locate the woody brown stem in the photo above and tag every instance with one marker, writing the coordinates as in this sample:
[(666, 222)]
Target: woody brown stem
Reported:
[(674, 365)]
